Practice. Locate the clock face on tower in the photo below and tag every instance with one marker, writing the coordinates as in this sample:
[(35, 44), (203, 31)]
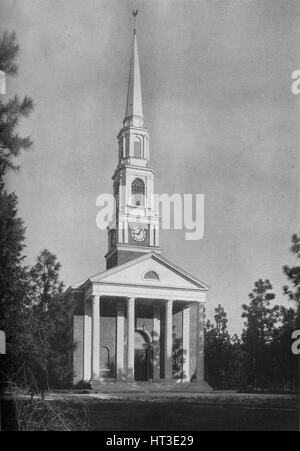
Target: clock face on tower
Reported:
[(138, 234)]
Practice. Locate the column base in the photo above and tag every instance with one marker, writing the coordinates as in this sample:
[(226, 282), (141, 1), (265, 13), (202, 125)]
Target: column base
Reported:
[(130, 379), (98, 379), (186, 380), (202, 384), (121, 379), (95, 378)]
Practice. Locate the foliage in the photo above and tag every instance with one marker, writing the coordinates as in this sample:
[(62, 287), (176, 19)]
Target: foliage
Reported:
[(14, 282), (12, 235), (32, 313), (9, 50), (262, 357), (293, 274), (261, 318), (284, 364), (222, 353), (49, 414), (49, 317), (13, 111)]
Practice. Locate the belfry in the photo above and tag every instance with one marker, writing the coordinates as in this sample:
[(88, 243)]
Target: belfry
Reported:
[(142, 319)]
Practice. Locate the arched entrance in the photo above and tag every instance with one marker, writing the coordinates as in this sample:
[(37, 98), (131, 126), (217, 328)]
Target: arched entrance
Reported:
[(141, 356)]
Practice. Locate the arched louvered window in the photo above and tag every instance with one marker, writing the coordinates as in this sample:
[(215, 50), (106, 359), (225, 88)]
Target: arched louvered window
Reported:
[(138, 192), (137, 147), (151, 275)]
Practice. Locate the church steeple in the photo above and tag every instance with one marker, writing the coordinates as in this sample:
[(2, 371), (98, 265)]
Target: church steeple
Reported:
[(134, 107), (134, 229)]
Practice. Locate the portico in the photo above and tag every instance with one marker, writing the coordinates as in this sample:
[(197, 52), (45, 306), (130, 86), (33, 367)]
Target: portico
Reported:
[(126, 370), (139, 305)]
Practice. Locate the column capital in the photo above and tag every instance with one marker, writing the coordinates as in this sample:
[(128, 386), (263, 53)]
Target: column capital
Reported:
[(94, 297), (201, 306), (169, 301), (130, 301)]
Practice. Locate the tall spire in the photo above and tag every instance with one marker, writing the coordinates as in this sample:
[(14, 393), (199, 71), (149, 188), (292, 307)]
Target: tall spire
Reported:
[(134, 107)]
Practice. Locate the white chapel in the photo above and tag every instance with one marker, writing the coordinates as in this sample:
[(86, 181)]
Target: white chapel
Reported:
[(142, 319)]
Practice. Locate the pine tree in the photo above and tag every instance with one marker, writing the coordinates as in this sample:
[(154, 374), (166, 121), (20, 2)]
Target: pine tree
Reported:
[(9, 50), (50, 322), (13, 111), (293, 274), (14, 284), (219, 352), (285, 365), (12, 235), (260, 321), (12, 230)]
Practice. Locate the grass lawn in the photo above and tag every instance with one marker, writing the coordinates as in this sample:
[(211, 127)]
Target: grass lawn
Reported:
[(182, 412), (204, 413)]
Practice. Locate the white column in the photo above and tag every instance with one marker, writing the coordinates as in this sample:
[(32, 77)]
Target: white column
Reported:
[(168, 340), (95, 337), (156, 342), (130, 339), (120, 341), (144, 147), (200, 342), (87, 341), (124, 147), (120, 232), (156, 243), (125, 225), (151, 233), (186, 343)]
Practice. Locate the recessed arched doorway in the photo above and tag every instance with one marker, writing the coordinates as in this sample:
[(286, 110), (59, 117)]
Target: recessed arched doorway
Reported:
[(141, 356)]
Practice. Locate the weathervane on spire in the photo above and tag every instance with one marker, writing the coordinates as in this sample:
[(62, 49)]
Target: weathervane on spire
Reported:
[(134, 13)]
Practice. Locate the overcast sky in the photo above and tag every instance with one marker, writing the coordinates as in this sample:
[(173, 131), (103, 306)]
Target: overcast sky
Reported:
[(216, 85)]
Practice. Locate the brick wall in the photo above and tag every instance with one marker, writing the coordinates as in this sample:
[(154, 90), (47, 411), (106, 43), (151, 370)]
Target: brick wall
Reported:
[(120, 257), (78, 352)]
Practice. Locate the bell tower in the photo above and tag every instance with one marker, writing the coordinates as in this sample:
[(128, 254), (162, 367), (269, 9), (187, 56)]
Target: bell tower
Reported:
[(134, 229)]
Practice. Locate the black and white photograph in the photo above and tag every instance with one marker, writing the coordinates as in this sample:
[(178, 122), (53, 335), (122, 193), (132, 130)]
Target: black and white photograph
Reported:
[(149, 218)]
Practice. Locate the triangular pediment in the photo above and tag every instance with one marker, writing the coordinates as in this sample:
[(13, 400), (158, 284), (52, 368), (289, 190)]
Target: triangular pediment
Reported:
[(150, 269)]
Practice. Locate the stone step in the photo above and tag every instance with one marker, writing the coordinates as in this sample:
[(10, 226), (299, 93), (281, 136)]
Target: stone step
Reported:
[(150, 387)]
